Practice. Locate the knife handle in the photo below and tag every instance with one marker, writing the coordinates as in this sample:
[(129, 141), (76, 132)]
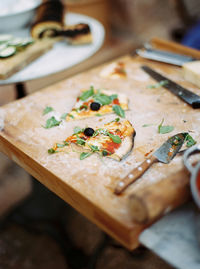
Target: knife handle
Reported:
[(196, 104), (134, 174)]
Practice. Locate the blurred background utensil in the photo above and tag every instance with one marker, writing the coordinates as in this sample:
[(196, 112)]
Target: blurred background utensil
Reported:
[(149, 52), (194, 183), (195, 173)]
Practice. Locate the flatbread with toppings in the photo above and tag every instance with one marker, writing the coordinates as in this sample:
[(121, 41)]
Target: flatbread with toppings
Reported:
[(114, 140), (114, 71), (94, 102)]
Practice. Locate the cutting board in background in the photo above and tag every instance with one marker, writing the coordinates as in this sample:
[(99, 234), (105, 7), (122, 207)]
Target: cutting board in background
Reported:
[(88, 185)]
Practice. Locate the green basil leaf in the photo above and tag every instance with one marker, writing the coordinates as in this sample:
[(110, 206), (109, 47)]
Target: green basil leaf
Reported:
[(93, 148), (160, 125), (51, 123), (83, 107), (86, 94), (164, 129), (113, 97), (60, 145), (77, 130), (190, 141), (63, 116), (98, 115), (105, 153), (71, 116), (84, 155), (47, 110), (51, 151), (103, 99), (80, 141), (147, 125), (159, 84), (115, 138), (119, 111)]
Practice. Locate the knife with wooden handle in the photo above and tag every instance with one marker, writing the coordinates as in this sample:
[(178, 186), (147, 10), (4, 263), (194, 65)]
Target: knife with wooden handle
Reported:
[(164, 154)]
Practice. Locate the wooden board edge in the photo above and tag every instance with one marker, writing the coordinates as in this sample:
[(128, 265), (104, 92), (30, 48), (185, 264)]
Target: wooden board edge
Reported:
[(126, 236)]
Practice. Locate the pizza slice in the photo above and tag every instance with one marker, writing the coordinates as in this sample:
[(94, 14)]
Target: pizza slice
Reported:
[(94, 102), (114, 140), (114, 70)]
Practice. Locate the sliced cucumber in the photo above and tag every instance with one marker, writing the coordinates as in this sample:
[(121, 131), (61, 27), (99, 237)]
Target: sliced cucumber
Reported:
[(27, 40), (7, 52), (20, 42), (15, 41), (5, 38), (3, 46)]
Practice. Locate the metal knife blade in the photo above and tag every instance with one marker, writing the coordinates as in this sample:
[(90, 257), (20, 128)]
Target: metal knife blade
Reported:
[(165, 153), (169, 149), (164, 56), (187, 96)]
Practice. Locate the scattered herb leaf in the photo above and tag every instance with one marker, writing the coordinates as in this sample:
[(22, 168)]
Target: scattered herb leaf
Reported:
[(116, 120), (51, 122), (71, 116), (86, 94), (63, 116), (105, 153), (119, 111), (103, 99), (98, 115), (115, 138), (93, 148), (51, 151), (83, 107), (60, 145), (84, 155), (177, 141), (47, 110), (80, 141), (77, 130), (164, 129), (113, 97), (190, 141), (157, 85), (147, 125)]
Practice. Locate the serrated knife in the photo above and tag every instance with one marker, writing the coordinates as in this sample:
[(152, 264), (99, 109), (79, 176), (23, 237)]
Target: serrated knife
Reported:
[(163, 154), (187, 96)]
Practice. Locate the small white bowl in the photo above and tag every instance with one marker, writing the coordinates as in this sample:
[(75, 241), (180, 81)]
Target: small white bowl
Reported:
[(16, 14)]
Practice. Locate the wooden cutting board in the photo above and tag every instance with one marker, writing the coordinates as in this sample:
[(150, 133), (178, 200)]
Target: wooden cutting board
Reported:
[(88, 185)]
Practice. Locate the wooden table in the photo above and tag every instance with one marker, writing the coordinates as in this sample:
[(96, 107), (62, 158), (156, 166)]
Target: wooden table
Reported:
[(88, 185)]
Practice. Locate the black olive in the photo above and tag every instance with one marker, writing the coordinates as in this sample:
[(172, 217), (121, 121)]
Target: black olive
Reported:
[(95, 106), (88, 131)]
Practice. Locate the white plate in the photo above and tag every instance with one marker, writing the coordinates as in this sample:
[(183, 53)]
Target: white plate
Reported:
[(63, 55)]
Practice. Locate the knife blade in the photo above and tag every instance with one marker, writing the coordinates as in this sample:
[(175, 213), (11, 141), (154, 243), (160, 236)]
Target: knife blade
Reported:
[(164, 56), (165, 153), (187, 96)]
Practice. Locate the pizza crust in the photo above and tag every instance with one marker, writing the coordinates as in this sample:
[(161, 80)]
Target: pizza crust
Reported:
[(124, 149)]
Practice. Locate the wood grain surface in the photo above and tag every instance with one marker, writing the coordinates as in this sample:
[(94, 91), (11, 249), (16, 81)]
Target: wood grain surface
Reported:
[(88, 184)]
